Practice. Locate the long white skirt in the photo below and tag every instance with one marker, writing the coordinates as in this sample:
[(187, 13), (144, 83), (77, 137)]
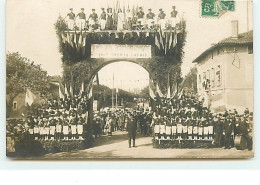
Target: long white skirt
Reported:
[(80, 129), (168, 130), (52, 130), (156, 129), (58, 128), (179, 128), (162, 129), (195, 130), (185, 129), (189, 130), (74, 129), (211, 129), (36, 130), (65, 130), (206, 130), (42, 132)]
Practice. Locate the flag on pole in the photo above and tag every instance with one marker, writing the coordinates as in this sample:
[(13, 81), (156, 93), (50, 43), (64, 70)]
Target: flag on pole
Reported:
[(69, 39), (29, 97), (83, 45), (71, 90), (174, 93), (174, 40), (179, 97), (116, 90), (64, 39), (66, 90), (159, 91), (79, 43), (82, 88), (151, 93), (60, 93), (169, 87), (170, 41), (75, 40), (90, 94)]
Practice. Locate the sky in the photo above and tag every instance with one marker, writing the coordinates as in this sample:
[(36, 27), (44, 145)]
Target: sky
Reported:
[(30, 31)]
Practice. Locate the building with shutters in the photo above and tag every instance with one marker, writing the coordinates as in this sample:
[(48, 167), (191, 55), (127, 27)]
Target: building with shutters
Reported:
[(225, 73)]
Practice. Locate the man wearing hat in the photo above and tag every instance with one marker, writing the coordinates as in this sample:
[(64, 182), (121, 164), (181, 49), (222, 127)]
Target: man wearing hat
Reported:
[(82, 19), (131, 128), (102, 19), (227, 131), (140, 16), (173, 16), (150, 17), (93, 18), (129, 20), (71, 21)]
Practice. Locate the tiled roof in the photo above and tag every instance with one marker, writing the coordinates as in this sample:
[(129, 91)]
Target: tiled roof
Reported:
[(243, 38)]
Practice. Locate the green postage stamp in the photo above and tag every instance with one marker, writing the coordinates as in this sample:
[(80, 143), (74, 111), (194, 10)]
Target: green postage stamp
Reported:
[(216, 8)]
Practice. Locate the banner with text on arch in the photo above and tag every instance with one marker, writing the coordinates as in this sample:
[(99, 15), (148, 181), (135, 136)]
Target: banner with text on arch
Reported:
[(120, 51)]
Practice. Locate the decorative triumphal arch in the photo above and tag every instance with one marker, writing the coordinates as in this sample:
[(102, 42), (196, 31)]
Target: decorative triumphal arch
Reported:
[(85, 52)]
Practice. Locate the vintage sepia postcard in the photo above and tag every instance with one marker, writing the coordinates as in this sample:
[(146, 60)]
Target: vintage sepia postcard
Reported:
[(121, 79)]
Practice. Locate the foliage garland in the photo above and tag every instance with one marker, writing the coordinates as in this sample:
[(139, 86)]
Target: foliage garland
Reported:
[(78, 69)]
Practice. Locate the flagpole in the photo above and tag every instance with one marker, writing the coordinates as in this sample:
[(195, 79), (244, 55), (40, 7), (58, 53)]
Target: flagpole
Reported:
[(113, 93), (116, 98)]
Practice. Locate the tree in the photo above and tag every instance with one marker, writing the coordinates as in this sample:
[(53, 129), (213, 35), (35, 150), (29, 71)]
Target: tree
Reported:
[(21, 73)]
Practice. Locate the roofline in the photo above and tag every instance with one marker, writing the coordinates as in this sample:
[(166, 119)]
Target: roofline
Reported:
[(196, 60)]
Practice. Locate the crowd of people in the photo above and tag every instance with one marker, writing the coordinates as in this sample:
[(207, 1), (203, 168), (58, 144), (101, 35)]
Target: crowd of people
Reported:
[(178, 119), (121, 19), (185, 119), (63, 118)]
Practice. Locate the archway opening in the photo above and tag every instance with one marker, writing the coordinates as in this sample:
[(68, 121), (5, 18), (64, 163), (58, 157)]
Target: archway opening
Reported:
[(120, 84)]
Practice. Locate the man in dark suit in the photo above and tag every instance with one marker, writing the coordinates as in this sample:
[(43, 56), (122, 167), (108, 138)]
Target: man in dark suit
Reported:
[(227, 131), (131, 126)]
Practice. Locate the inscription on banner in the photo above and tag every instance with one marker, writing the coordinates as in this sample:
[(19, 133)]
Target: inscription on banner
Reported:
[(120, 51)]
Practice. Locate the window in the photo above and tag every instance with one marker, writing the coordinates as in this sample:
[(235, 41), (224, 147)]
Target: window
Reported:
[(208, 79), (15, 105), (250, 49), (218, 76), (212, 75)]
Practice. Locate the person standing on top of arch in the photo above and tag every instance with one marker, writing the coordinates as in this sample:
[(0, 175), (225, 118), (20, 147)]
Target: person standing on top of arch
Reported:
[(150, 17), (71, 21), (161, 19), (81, 23), (173, 16), (102, 19), (140, 16), (93, 18)]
